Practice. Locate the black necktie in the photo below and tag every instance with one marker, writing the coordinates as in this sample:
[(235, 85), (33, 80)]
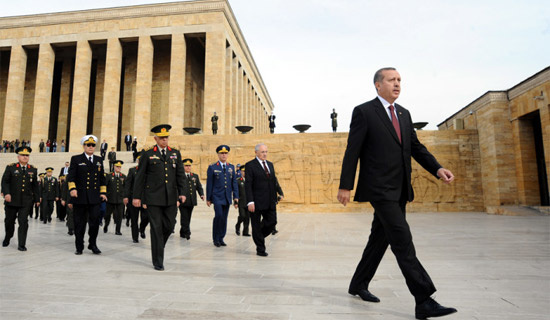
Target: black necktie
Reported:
[(90, 158), (24, 169), (223, 168)]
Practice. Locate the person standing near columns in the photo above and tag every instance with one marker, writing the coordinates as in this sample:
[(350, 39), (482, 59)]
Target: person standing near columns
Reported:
[(261, 194), (271, 119), (115, 196), (194, 186), (20, 191), (41, 145), (87, 187), (382, 138), (112, 159), (158, 187), (103, 148), (334, 117), (221, 188), (50, 194), (214, 121), (128, 141)]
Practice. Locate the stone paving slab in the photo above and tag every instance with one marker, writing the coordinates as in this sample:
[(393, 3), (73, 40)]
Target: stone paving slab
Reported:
[(488, 267)]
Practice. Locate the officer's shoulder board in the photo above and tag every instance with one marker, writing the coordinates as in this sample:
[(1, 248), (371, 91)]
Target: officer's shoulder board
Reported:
[(214, 163), (32, 167), (12, 164)]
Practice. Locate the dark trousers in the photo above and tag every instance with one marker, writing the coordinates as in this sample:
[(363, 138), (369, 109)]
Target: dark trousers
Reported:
[(185, 220), (389, 227), (244, 218), (163, 220), (117, 211), (144, 219), (219, 226), (133, 213), (111, 166), (86, 214), (47, 209), (128, 146), (22, 216), (61, 210), (263, 223), (70, 218)]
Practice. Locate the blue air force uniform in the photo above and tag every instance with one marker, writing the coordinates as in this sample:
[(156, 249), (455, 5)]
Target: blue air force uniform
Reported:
[(221, 189)]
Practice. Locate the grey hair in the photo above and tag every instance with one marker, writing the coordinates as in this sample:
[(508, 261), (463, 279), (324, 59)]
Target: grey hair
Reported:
[(257, 147), (379, 76)]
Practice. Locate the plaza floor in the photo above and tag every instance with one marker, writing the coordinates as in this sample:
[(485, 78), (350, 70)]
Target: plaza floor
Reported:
[(488, 267)]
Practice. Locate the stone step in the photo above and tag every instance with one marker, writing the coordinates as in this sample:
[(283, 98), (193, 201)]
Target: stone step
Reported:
[(518, 210)]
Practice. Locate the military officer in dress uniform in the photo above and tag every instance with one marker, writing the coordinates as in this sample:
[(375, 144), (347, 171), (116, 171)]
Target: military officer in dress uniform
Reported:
[(221, 188), (115, 197), (244, 215), (87, 187), (38, 209), (131, 211), (194, 186), (60, 209), (50, 194), (20, 191), (158, 186)]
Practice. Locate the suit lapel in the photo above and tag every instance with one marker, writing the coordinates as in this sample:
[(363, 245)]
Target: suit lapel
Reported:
[(404, 124), (381, 111)]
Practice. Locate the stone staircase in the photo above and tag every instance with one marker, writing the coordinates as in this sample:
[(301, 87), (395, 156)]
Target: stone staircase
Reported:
[(57, 160), (519, 210)]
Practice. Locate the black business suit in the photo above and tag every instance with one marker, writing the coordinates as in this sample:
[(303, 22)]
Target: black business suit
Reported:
[(385, 182), (262, 190), (194, 186)]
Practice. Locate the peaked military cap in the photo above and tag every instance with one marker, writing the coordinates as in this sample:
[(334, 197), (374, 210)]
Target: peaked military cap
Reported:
[(49, 169), (223, 148), (242, 168), (23, 151), (187, 162), (89, 138), (41, 174), (162, 130), (119, 163)]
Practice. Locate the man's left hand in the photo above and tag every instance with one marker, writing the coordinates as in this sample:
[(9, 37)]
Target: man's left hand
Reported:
[(445, 175), (103, 197), (182, 199)]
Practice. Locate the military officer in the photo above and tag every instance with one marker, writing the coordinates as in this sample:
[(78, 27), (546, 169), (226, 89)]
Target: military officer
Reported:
[(50, 194), (158, 186), (60, 209), (214, 121), (38, 209), (87, 187), (221, 187), (244, 215), (20, 191), (194, 186), (65, 197), (131, 211), (115, 195)]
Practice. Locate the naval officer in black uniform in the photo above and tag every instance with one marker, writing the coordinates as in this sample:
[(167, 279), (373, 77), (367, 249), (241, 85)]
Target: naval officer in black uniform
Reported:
[(86, 181), (20, 191), (158, 187)]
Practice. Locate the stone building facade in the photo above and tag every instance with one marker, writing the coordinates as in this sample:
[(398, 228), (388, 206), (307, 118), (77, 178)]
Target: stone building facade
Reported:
[(126, 69), (514, 140)]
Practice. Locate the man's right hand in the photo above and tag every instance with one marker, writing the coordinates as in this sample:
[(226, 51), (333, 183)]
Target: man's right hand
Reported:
[(136, 203), (7, 198), (74, 194), (343, 196), (208, 203)]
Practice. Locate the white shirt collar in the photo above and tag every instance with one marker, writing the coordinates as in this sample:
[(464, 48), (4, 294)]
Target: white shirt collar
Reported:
[(262, 163), (386, 105)]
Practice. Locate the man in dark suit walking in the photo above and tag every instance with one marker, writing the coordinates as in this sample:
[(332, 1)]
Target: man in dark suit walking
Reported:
[(158, 186), (194, 186), (87, 187), (128, 141), (382, 136), (103, 148), (261, 194)]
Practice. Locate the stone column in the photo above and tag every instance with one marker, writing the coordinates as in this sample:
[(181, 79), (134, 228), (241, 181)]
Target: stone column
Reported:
[(234, 95), (43, 95), (111, 92), (14, 94), (239, 94), (227, 116), (177, 83), (141, 117), (81, 94), (214, 80)]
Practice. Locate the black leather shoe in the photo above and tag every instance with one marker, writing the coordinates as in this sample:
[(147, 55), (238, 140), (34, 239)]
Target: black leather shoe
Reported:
[(105, 229), (237, 231), (127, 223), (136, 241), (78, 252), (187, 237), (430, 308), (223, 244), (217, 244), (262, 254), (274, 232), (70, 232), (142, 234), (118, 233), (365, 295), (159, 268), (246, 235), (21, 248), (94, 249), (5, 243)]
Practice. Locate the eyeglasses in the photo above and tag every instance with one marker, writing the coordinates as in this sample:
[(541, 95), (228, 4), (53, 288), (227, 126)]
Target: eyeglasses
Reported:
[(90, 144)]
